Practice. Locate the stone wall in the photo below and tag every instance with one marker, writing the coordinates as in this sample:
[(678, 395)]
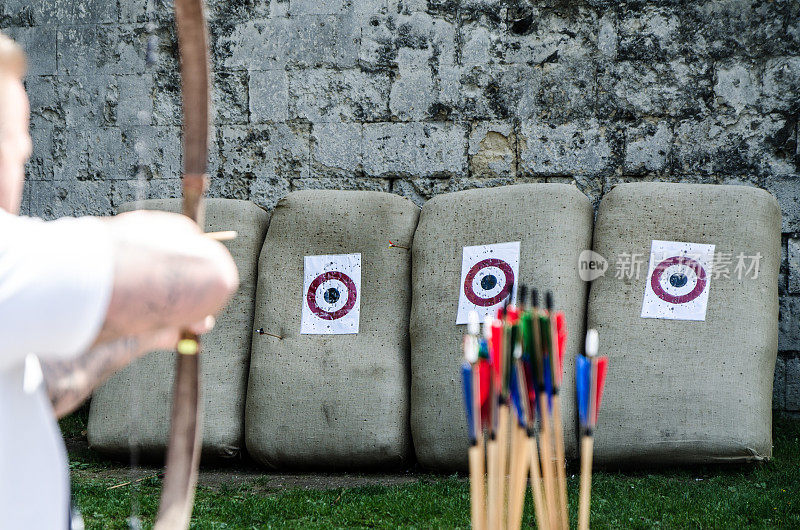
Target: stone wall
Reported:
[(422, 97)]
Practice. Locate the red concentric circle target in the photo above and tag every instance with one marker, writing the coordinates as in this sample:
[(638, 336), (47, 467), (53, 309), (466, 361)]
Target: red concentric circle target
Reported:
[(655, 279), (473, 297), (311, 295)]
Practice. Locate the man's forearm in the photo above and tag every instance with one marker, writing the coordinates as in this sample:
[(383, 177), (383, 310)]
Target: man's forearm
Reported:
[(70, 382)]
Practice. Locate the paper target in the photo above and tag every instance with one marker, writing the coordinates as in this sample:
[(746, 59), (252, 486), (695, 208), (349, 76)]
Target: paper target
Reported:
[(332, 294), (488, 277), (678, 280)]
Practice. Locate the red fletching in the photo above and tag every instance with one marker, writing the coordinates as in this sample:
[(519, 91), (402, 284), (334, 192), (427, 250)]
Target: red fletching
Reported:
[(495, 348), (512, 314), (561, 335), (561, 332), (602, 368), (486, 403)]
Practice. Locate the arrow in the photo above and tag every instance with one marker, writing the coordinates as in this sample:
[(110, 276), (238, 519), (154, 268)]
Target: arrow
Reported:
[(590, 375), (557, 341), (471, 381)]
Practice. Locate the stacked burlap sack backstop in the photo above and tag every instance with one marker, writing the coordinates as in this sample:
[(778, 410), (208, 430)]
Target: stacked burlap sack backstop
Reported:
[(133, 408), (687, 391), (553, 224), (333, 400)]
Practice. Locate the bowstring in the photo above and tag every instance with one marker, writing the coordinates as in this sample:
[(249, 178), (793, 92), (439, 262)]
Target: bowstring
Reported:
[(144, 118)]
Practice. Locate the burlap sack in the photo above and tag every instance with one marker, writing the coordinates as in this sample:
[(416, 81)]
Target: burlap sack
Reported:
[(332, 401), (553, 223), (133, 407), (683, 391)]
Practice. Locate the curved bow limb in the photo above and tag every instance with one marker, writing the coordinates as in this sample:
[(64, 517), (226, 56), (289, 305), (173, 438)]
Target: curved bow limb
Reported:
[(186, 420)]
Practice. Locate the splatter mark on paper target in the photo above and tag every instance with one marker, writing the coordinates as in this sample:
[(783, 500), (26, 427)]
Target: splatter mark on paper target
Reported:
[(488, 278), (489, 282), (332, 287), (678, 281), (331, 295)]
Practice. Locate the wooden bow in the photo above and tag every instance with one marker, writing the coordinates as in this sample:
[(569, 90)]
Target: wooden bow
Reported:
[(186, 421)]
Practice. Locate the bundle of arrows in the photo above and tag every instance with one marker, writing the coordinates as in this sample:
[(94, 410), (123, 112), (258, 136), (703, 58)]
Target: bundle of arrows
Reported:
[(511, 380)]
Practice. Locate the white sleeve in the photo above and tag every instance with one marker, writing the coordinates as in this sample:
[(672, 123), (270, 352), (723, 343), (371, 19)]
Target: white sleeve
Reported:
[(56, 280)]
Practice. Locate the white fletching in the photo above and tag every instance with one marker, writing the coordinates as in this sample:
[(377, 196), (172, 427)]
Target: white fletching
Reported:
[(471, 350), (487, 327), (592, 342), (473, 323)]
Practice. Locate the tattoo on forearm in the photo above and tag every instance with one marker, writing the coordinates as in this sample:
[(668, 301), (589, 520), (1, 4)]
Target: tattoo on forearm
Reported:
[(70, 382)]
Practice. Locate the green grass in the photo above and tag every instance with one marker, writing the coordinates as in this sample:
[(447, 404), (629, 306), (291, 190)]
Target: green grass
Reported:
[(760, 496)]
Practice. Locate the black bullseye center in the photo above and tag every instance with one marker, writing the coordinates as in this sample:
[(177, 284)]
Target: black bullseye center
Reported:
[(331, 295), (678, 279), (488, 282)]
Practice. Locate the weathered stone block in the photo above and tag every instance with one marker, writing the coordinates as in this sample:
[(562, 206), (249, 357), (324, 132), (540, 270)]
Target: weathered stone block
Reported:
[(319, 7), (121, 49), (419, 190), (788, 330), (678, 88), (268, 96), (306, 41), (794, 265), (88, 100), (317, 182), (572, 148), (327, 95), (76, 49), (782, 84), (651, 33), (779, 385), (156, 150), (167, 103), (787, 191), (384, 34), (412, 94), (134, 99), (737, 86), (225, 11), (731, 28), (648, 147), (336, 148), (556, 92), (45, 101), (608, 36), (38, 45), (793, 384), (478, 45), (266, 151), (54, 12), (492, 149), (747, 144), (544, 36), (135, 190), (50, 200), (40, 165), (20, 13), (108, 160), (230, 98), (435, 149)]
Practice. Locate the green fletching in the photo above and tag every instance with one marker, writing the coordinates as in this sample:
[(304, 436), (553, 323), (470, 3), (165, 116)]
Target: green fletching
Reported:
[(529, 343), (544, 329)]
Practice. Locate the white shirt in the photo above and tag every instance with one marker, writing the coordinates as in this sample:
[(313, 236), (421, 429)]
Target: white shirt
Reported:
[(55, 285)]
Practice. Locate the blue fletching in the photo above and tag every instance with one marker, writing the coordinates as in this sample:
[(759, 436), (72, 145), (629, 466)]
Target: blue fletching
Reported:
[(483, 349), (548, 383), (515, 401), (466, 380), (583, 373)]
